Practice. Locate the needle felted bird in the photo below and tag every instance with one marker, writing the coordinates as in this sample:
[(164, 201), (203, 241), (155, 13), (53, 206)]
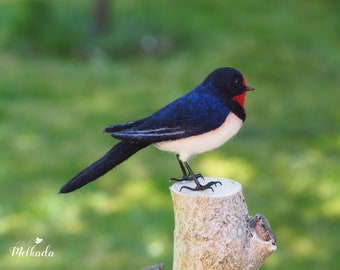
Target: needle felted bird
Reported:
[(199, 121)]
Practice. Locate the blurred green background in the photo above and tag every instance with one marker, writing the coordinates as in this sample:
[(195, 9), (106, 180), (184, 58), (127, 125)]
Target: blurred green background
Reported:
[(67, 71)]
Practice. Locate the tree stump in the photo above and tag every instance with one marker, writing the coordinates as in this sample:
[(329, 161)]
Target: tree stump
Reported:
[(213, 229)]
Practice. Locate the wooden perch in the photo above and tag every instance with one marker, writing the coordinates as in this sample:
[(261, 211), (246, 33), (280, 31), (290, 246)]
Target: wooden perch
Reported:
[(213, 229)]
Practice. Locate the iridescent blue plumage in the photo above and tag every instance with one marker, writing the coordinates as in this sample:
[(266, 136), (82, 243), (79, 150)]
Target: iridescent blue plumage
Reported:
[(197, 112)]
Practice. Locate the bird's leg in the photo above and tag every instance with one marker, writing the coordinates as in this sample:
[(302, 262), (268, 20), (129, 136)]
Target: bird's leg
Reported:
[(182, 166), (186, 175), (198, 185)]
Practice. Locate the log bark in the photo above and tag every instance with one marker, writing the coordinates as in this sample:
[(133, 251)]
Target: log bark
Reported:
[(214, 231)]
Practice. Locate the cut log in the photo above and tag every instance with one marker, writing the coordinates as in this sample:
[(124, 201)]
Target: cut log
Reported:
[(213, 229)]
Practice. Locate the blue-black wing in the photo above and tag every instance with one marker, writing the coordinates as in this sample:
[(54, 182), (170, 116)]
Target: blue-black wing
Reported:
[(192, 114)]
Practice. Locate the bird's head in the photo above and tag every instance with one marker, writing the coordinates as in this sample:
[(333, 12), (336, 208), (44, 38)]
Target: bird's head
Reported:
[(229, 83)]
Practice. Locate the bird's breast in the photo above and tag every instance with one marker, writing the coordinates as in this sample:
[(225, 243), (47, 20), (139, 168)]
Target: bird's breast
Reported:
[(210, 140)]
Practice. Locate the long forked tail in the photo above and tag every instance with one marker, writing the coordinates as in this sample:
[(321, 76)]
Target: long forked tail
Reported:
[(118, 153)]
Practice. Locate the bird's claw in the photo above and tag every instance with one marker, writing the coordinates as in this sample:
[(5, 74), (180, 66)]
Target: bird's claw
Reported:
[(186, 178), (189, 175), (203, 187)]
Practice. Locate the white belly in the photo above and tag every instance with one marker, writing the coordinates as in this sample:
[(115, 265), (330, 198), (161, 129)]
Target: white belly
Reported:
[(205, 142)]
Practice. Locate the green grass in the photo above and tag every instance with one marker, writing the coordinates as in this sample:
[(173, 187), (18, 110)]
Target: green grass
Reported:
[(53, 111)]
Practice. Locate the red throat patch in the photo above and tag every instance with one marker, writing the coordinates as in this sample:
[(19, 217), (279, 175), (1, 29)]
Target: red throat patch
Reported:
[(240, 98)]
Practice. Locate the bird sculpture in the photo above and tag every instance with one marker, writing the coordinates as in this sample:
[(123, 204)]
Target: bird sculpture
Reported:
[(201, 120)]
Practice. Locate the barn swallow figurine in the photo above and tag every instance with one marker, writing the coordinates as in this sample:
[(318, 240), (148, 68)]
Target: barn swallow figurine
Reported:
[(199, 121)]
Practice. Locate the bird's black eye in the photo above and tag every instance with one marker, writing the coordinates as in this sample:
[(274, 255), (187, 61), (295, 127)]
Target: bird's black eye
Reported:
[(237, 81)]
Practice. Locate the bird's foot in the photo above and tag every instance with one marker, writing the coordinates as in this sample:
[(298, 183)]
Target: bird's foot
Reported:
[(186, 177), (189, 175), (203, 187)]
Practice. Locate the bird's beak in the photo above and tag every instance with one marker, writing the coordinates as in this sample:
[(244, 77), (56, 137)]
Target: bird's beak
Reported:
[(249, 88)]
